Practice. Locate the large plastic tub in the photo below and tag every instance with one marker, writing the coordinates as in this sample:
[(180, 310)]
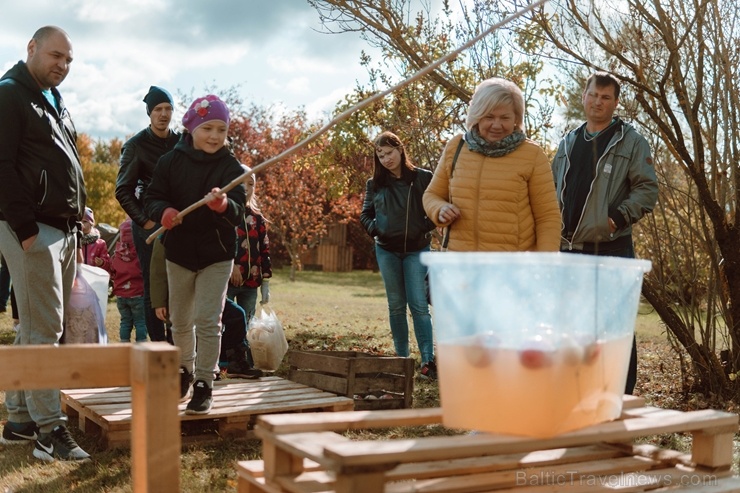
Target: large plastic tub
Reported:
[(533, 344)]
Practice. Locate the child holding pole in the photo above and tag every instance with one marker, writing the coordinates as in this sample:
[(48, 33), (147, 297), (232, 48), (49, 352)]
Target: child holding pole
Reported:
[(199, 247)]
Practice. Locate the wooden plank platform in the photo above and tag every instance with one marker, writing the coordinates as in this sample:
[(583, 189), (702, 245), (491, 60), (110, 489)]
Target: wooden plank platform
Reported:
[(305, 453), (106, 412)]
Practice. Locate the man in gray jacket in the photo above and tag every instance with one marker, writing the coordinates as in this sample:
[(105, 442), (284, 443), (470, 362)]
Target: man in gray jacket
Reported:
[(605, 181)]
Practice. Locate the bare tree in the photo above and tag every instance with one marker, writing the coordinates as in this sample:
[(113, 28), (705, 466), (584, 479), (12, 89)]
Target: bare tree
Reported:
[(410, 36), (678, 61)]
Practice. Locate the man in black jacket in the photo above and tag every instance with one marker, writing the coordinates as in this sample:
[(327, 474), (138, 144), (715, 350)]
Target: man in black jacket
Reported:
[(42, 198), (138, 159)]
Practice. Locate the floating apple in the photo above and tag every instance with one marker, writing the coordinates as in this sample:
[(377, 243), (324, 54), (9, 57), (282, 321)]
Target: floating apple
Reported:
[(535, 359), (479, 352), (537, 353), (591, 352)]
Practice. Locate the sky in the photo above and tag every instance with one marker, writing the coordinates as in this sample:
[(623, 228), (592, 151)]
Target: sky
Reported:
[(270, 49)]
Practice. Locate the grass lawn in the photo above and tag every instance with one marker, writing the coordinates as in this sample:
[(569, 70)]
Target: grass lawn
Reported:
[(319, 310)]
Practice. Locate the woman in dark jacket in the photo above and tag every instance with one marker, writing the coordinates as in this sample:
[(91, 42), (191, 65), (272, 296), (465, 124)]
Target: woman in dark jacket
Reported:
[(394, 215)]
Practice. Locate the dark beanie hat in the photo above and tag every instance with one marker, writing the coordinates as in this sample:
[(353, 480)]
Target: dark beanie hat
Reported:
[(155, 96)]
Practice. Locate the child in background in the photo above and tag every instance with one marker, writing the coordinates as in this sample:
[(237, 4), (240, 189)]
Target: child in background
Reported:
[(94, 249), (199, 247), (128, 285), (252, 265)]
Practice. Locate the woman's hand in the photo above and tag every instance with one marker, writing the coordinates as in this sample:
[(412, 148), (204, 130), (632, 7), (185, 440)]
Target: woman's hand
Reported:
[(448, 213), (161, 313)]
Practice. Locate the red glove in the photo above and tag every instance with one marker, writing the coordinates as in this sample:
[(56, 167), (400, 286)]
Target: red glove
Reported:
[(169, 218), (217, 204)]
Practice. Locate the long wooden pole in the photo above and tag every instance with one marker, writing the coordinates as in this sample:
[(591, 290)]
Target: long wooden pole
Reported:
[(348, 112)]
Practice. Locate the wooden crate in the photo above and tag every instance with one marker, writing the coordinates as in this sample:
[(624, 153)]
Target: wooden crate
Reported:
[(328, 258), (306, 454), (374, 382), (106, 412)]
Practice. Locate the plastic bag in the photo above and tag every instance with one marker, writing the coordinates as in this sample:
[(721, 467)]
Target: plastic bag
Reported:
[(84, 322), (267, 340), (98, 279)]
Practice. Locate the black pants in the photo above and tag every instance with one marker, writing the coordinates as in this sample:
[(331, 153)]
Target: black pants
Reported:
[(234, 335)]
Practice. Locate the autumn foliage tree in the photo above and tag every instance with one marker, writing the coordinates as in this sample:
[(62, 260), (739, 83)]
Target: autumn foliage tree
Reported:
[(294, 196), (100, 168)]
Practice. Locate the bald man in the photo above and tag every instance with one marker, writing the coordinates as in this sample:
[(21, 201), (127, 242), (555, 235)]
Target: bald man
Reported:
[(42, 199)]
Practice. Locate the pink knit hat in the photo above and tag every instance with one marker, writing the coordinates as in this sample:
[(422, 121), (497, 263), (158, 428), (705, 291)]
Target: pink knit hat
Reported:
[(204, 110), (88, 216)]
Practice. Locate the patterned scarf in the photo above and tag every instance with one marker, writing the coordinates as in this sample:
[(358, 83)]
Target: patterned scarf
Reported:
[(91, 237), (508, 144)]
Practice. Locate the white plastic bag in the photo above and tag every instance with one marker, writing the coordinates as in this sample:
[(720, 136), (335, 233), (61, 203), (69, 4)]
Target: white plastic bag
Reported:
[(98, 279), (84, 319), (267, 340)]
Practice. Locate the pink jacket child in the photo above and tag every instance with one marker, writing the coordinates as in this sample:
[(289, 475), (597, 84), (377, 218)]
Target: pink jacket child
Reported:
[(94, 248), (125, 270)]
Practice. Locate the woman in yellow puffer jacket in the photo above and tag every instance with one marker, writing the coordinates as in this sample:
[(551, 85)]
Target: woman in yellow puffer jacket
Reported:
[(499, 196)]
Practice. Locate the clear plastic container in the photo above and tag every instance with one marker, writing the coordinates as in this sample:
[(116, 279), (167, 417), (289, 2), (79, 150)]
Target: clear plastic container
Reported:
[(532, 344)]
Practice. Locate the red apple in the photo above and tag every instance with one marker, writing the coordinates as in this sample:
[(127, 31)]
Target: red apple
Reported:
[(591, 352), (535, 359)]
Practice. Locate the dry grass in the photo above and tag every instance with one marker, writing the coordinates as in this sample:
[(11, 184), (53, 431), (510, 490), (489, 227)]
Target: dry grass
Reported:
[(319, 311)]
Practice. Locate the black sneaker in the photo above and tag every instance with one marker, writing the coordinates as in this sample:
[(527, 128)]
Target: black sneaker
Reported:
[(186, 381), (429, 370), (58, 444), (202, 400), (241, 369), (16, 433)]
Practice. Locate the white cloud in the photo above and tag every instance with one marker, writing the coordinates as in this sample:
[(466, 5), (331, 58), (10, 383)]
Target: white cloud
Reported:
[(115, 12), (270, 50)]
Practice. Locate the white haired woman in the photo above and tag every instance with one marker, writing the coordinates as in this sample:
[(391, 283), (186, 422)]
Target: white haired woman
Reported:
[(493, 187)]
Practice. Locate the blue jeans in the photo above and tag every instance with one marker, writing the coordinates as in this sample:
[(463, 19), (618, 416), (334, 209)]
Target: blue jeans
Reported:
[(245, 298), (627, 252), (154, 326), (403, 276), (132, 315)]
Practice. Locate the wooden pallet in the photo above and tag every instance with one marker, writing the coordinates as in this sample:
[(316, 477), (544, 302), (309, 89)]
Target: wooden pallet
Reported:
[(305, 454), (106, 412)]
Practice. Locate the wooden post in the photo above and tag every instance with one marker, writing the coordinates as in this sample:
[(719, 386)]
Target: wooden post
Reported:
[(155, 427), (151, 369), (713, 448)]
